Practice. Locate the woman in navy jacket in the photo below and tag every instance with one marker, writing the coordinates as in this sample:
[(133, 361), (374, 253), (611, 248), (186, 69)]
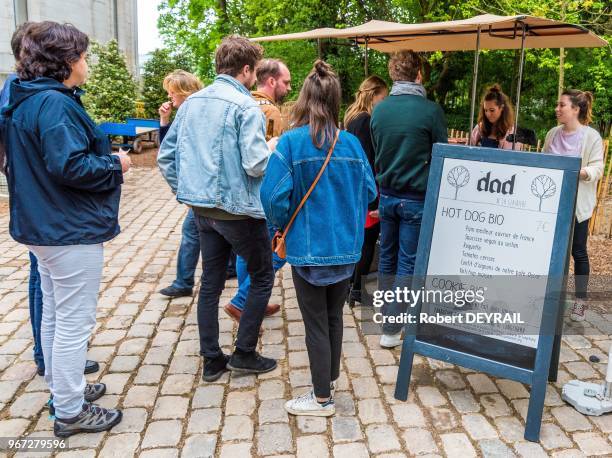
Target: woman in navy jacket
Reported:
[(64, 188)]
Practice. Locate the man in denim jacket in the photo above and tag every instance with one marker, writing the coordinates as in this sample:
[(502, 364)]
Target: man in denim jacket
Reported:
[(214, 158)]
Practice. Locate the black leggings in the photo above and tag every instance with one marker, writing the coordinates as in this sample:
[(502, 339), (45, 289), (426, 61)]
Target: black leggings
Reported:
[(321, 308), (581, 258), (367, 255)]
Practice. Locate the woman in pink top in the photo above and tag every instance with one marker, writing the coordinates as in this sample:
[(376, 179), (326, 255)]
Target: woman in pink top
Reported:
[(495, 121), (574, 137)]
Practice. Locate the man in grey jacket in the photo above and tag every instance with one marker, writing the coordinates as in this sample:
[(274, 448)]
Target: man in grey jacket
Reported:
[(214, 158)]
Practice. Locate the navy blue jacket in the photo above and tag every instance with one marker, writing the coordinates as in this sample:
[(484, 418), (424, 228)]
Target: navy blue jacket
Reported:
[(64, 185)]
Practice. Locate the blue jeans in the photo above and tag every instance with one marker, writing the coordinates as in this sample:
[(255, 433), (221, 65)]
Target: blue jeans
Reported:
[(244, 281), (36, 310), (400, 224), (189, 253)]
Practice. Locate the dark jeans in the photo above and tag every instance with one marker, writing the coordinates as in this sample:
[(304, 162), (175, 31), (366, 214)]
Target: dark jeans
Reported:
[(367, 255), (36, 310), (249, 239), (581, 258), (400, 224), (321, 308)]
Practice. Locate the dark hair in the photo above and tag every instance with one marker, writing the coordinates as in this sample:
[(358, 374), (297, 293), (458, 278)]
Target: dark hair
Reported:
[(234, 53), (505, 121), (404, 66), (318, 104), (17, 38), (582, 100), (48, 49), (267, 68)]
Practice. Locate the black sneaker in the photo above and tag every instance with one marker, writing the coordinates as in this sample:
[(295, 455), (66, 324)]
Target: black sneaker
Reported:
[(250, 363), (93, 392), (171, 291), (91, 367), (214, 368), (93, 419)]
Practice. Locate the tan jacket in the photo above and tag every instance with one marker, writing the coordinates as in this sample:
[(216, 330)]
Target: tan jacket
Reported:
[(274, 120), (592, 162)]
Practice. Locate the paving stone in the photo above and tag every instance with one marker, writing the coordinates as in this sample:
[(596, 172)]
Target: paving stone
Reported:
[(140, 396), (124, 363), (204, 421), (593, 444), (457, 445), (13, 427), (512, 389), (162, 433), (184, 365), (382, 438), (478, 427), (239, 381), (551, 437), (494, 448), (510, 429), (90, 440), (570, 419), (28, 404), (199, 446), (311, 424), (604, 423), (120, 445), (387, 374), (273, 411), (346, 429), (271, 389), (408, 415), (355, 450), (464, 401), (495, 405), (358, 367), (237, 427), (274, 439), (344, 403), (178, 384), (77, 454), (149, 375), (159, 355), (312, 447), (133, 347), (570, 453), (110, 337), (170, 407), (371, 411), (530, 450), (115, 383), (133, 421), (240, 403), (443, 419), (430, 396), (481, 383), (365, 387), (159, 453), (240, 450), (8, 390), (419, 441)]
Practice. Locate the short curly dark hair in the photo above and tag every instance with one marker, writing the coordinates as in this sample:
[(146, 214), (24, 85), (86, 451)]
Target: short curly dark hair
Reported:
[(404, 65), (48, 49)]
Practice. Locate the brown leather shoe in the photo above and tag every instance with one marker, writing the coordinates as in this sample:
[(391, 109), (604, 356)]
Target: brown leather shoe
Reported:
[(271, 309), (234, 312)]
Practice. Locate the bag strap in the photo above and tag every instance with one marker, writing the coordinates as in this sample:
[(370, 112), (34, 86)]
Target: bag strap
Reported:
[(314, 183)]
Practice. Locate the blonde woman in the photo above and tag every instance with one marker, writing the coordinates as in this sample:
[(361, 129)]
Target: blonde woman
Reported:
[(574, 137), (179, 85), (357, 122)]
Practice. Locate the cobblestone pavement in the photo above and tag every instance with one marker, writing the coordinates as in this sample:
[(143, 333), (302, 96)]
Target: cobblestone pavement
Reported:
[(148, 350)]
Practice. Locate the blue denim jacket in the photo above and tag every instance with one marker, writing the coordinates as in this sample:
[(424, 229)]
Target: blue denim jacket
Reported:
[(215, 153), (329, 228)]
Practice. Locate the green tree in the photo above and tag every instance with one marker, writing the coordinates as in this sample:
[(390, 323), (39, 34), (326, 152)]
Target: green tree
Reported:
[(161, 62), (110, 89)]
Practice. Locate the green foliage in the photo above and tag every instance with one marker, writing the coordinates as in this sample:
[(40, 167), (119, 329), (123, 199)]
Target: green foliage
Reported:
[(161, 62), (197, 26), (110, 89)]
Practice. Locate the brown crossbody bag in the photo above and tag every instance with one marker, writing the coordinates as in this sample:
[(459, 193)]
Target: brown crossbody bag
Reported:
[(278, 241)]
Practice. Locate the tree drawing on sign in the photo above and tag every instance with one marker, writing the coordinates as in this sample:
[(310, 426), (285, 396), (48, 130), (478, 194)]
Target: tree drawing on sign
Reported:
[(543, 187), (458, 177)]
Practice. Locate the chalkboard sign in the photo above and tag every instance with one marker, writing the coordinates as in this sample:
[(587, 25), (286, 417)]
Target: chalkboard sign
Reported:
[(497, 223)]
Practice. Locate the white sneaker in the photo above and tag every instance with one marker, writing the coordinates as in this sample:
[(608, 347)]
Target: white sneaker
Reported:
[(391, 340), (578, 310), (307, 404)]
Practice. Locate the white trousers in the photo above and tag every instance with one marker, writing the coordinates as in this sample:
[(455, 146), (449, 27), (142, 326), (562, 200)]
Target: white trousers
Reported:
[(70, 282)]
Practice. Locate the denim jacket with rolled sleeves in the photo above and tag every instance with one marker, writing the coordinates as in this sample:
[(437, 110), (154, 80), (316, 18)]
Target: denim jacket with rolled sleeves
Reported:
[(215, 153), (329, 228)]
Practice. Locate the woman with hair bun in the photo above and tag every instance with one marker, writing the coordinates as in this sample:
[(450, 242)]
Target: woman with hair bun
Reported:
[(574, 137), (495, 121), (324, 243)]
